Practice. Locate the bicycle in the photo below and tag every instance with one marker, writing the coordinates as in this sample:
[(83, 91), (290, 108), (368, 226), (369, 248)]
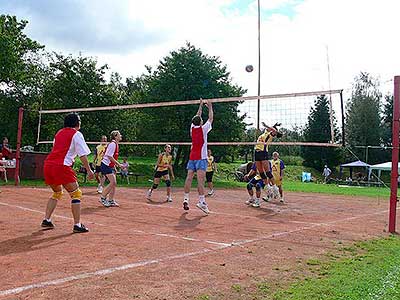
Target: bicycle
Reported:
[(235, 176)]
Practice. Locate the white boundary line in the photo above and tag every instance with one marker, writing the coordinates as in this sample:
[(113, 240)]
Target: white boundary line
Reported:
[(132, 231), (103, 272)]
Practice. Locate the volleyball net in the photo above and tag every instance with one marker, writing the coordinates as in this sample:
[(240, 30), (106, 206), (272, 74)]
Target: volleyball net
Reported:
[(292, 110)]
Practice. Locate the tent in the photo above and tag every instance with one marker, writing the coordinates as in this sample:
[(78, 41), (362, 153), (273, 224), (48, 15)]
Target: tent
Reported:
[(386, 166), (354, 164)]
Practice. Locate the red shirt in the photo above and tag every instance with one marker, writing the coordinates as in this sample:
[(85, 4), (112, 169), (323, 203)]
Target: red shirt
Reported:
[(68, 143)]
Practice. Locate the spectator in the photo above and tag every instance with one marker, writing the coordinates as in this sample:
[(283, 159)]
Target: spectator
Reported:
[(326, 173), (124, 168), (5, 149)]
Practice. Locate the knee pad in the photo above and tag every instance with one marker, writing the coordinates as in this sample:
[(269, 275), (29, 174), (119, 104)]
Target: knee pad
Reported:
[(263, 176), (75, 201), (269, 174), (57, 195), (76, 195), (259, 186), (168, 183), (154, 187), (249, 186)]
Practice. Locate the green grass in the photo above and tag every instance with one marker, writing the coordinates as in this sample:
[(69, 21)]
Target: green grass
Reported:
[(369, 270)]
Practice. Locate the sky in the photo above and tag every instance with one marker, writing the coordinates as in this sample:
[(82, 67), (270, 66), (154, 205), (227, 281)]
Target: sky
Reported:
[(299, 38)]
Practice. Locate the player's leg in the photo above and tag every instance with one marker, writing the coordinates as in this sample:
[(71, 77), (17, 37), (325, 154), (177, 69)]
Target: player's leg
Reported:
[(188, 184), (76, 196), (250, 192), (168, 184), (154, 186), (209, 180), (201, 176), (51, 205), (113, 181)]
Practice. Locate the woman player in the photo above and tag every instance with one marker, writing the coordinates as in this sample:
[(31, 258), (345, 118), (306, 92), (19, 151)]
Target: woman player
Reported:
[(108, 164), (261, 154), (211, 168), (58, 173), (163, 168)]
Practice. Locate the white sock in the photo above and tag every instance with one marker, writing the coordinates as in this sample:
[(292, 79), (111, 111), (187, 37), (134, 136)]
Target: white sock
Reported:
[(78, 224), (48, 220), (186, 197), (202, 199)]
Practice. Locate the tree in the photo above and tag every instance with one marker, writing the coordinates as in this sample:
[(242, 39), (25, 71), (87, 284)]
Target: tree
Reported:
[(318, 129), (363, 117), (22, 74), (183, 75)]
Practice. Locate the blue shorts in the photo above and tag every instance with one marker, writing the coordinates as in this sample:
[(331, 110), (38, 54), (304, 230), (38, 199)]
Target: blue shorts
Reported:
[(106, 169), (258, 182), (196, 165)]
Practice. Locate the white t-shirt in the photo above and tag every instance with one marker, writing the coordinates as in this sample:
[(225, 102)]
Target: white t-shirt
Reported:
[(109, 152), (78, 147)]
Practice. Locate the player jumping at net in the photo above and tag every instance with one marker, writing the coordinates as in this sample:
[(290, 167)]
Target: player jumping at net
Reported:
[(261, 154), (198, 156), (108, 164), (98, 157), (163, 169), (58, 173)]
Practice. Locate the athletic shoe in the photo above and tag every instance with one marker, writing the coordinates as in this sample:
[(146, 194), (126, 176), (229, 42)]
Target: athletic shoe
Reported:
[(275, 191), (47, 224), (203, 207), (266, 199), (148, 194), (185, 205), (99, 189), (105, 202), (210, 193), (250, 201), (80, 229), (169, 199), (256, 203), (281, 200), (113, 203)]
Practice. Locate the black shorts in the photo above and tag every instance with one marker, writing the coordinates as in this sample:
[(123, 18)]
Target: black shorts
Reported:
[(98, 169), (209, 176), (159, 174), (261, 155)]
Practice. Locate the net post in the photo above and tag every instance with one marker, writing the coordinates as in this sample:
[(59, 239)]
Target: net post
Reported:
[(395, 155), (18, 150), (342, 111)]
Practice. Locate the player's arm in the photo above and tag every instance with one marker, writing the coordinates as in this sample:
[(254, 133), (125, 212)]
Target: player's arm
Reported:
[(210, 111), (200, 110), (250, 175), (171, 170), (113, 160)]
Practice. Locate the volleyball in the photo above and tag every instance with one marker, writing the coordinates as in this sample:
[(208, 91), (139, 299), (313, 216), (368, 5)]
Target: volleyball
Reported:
[(249, 68)]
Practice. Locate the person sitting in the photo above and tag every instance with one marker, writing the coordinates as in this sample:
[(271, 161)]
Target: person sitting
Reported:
[(5, 149), (125, 169)]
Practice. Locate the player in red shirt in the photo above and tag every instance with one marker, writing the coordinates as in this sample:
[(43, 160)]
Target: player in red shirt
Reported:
[(58, 173), (5, 149), (198, 155), (108, 164)]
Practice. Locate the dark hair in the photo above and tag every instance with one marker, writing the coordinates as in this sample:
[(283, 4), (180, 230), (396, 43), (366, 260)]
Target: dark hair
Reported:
[(196, 120), (72, 120)]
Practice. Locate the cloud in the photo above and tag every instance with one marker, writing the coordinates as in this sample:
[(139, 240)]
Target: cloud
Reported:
[(91, 26)]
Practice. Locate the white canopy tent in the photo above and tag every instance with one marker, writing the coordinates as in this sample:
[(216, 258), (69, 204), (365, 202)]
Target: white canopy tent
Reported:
[(386, 166)]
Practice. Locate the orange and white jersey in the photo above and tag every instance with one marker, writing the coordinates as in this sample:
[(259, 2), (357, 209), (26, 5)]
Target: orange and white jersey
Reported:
[(68, 143)]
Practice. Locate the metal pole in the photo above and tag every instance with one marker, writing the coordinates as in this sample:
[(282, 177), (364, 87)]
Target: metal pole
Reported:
[(395, 155), (342, 109), (259, 67), (18, 151)]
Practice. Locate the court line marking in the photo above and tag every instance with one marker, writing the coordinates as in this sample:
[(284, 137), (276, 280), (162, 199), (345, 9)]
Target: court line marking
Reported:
[(166, 235), (168, 258)]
